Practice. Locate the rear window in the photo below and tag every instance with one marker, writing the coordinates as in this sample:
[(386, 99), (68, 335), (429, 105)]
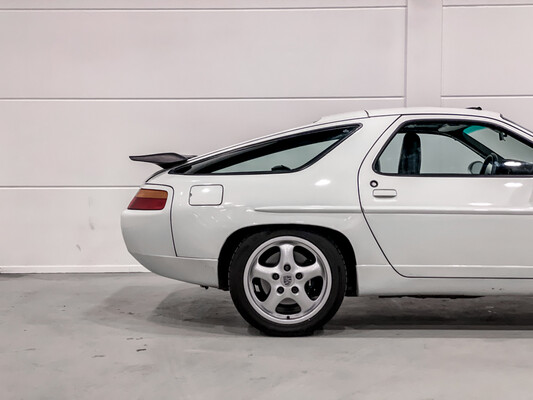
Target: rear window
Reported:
[(287, 154)]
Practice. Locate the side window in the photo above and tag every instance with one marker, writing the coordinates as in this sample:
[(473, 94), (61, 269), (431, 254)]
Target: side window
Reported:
[(454, 148), (502, 144), (288, 159), (281, 155)]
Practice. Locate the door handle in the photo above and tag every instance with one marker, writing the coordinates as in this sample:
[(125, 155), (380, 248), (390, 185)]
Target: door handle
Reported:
[(384, 193)]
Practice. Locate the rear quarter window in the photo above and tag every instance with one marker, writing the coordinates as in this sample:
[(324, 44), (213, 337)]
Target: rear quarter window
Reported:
[(287, 154)]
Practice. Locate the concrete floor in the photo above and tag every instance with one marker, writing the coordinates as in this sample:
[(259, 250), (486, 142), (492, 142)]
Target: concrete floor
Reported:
[(140, 336)]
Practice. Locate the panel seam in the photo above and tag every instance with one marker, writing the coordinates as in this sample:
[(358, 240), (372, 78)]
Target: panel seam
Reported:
[(196, 98), (158, 9)]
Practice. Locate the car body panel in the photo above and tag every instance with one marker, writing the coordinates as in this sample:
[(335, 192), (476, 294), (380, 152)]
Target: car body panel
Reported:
[(463, 227), (149, 232), (265, 199), (200, 271), (380, 281)]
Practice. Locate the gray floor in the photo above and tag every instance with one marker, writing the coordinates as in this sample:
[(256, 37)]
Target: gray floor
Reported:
[(140, 336)]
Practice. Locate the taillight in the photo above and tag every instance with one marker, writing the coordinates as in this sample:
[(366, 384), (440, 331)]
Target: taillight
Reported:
[(149, 199)]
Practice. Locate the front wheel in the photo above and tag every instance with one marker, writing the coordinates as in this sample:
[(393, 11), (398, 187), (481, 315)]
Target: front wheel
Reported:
[(287, 283)]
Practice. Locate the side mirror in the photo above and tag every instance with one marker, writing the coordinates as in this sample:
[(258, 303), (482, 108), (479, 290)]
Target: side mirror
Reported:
[(475, 167)]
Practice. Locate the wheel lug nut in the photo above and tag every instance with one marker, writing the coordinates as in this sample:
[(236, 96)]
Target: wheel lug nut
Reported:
[(275, 277), (287, 267), (299, 275), (280, 290), (294, 289)]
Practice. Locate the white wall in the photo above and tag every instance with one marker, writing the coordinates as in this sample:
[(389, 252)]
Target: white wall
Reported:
[(487, 56), (85, 83)]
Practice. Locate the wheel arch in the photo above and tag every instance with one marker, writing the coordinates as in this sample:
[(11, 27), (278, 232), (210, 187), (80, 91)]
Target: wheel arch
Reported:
[(337, 237)]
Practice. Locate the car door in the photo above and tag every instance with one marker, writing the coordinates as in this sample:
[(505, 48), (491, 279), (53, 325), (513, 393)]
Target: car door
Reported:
[(451, 197)]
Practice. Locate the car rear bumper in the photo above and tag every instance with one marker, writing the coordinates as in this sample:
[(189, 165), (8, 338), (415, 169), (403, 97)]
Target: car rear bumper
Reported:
[(193, 270)]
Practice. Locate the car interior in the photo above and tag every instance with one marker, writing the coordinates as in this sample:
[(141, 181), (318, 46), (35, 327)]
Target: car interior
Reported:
[(454, 148)]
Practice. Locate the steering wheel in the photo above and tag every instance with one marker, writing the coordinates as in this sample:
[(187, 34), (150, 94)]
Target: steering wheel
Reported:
[(492, 159)]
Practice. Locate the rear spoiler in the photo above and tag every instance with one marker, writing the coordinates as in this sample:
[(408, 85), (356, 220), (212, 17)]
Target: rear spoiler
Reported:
[(164, 160)]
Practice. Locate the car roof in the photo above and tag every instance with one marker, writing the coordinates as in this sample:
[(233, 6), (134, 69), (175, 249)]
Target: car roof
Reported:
[(407, 111), (362, 114)]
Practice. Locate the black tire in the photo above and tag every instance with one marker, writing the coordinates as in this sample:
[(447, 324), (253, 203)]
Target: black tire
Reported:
[(300, 311)]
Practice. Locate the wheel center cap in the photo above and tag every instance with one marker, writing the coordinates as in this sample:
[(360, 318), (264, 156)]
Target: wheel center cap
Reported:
[(287, 280)]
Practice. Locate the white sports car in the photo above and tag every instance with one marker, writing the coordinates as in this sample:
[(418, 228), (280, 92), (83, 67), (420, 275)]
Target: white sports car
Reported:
[(404, 202)]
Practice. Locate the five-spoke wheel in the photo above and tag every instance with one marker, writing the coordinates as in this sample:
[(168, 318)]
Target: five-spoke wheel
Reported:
[(287, 283)]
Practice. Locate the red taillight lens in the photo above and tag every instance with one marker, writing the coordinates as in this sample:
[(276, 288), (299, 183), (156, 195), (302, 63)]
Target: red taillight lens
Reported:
[(149, 199)]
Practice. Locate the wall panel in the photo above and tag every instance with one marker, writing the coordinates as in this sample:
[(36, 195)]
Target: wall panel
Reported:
[(66, 226), (485, 3), (202, 54), (85, 83), (194, 4), (87, 143), (487, 51)]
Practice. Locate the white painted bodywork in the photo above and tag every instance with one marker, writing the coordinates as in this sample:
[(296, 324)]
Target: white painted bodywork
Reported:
[(438, 236), (460, 227)]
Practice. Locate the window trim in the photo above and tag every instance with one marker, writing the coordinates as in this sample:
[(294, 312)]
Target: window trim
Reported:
[(235, 152), (452, 120)]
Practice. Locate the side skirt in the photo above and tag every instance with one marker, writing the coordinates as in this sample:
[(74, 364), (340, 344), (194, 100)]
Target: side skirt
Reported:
[(382, 280)]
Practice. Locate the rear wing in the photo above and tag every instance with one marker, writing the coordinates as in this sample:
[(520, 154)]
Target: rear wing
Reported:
[(164, 160)]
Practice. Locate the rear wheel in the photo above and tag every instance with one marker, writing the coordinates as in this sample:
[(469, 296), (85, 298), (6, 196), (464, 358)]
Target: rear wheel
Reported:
[(287, 282)]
